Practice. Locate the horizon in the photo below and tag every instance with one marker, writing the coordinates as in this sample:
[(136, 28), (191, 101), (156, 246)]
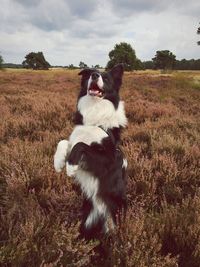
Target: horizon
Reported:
[(77, 66)]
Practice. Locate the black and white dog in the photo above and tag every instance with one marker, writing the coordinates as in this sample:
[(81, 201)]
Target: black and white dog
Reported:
[(92, 155)]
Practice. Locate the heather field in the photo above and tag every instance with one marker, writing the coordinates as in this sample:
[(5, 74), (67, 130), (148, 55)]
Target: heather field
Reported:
[(40, 209)]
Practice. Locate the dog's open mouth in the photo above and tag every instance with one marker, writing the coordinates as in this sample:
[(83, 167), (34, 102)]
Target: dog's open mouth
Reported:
[(94, 90)]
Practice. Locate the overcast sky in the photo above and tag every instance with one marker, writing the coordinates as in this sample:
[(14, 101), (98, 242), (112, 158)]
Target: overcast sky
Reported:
[(70, 31)]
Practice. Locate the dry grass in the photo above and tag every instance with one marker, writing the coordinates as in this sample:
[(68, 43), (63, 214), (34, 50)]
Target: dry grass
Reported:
[(40, 210)]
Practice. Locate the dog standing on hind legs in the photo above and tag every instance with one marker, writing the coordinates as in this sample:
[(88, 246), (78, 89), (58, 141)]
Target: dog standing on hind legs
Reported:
[(92, 155)]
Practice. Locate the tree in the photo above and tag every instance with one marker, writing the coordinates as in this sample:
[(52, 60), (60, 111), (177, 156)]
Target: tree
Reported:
[(164, 60), (97, 66), (72, 67), (198, 32), (36, 61), (1, 62), (139, 65), (124, 53), (148, 64), (82, 65)]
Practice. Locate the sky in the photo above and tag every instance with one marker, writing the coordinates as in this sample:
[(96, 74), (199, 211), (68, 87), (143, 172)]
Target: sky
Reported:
[(70, 31)]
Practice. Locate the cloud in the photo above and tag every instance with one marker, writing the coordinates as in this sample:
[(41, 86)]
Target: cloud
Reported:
[(68, 31), (52, 15), (129, 7), (83, 9), (28, 3)]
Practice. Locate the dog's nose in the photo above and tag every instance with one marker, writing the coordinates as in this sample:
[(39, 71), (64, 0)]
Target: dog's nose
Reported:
[(95, 76)]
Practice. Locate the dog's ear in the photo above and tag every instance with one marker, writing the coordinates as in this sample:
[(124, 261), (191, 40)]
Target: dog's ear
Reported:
[(85, 75), (86, 72), (117, 71)]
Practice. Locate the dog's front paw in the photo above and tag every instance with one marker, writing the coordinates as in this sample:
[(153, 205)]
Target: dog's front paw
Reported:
[(60, 155), (59, 163), (71, 169)]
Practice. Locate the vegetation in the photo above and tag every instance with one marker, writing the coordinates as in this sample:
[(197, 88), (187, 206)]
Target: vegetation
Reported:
[(72, 67), (198, 32), (124, 53), (82, 65), (148, 64), (35, 61), (183, 64), (40, 209), (1, 62), (164, 60), (97, 66), (12, 66)]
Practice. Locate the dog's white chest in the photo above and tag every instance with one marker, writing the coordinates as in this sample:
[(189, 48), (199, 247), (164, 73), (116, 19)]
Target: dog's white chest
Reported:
[(102, 112)]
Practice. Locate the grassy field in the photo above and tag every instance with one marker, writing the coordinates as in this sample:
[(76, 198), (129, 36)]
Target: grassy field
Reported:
[(40, 210)]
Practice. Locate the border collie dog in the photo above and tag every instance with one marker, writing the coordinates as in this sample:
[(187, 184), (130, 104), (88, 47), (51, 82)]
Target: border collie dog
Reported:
[(92, 155)]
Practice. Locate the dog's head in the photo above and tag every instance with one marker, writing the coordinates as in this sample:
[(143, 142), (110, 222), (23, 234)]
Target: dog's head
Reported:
[(103, 85)]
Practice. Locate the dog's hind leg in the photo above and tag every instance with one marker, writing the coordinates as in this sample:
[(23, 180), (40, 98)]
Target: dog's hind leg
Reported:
[(60, 155)]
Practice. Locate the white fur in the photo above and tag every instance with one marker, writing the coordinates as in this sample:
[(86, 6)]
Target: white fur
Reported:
[(98, 111), (99, 82), (71, 169), (87, 135), (125, 163), (99, 210), (122, 119), (89, 184), (60, 155)]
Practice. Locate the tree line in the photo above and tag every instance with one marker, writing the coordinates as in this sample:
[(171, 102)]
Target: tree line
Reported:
[(183, 64), (121, 53)]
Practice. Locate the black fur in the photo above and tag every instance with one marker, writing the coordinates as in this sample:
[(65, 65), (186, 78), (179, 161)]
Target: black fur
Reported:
[(103, 160)]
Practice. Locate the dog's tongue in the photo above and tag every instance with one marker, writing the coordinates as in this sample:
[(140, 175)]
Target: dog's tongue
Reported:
[(94, 90), (95, 93)]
